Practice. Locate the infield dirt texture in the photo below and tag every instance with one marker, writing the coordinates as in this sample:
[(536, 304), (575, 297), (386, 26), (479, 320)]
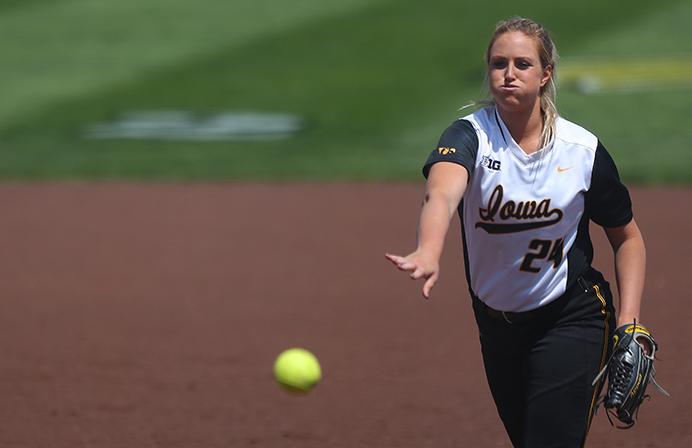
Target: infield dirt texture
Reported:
[(149, 316)]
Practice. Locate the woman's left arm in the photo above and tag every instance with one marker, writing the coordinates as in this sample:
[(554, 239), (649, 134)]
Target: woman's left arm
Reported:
[(630, 269)]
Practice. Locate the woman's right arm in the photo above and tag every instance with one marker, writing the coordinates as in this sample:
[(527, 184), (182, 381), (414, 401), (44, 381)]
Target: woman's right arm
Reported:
[(444, 189)]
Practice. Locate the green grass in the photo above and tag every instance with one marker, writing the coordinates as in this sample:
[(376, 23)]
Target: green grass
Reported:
[(647, 131), (376, 81), (54, 51)]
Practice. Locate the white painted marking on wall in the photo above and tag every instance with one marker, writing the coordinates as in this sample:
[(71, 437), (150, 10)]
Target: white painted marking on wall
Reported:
[(188, 126)]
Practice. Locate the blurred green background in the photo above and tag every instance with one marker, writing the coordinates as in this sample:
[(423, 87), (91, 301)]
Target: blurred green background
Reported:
[(374, 83)]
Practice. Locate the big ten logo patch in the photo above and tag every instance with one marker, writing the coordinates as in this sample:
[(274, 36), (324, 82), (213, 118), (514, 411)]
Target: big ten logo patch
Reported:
[(491, 164), (444, 150)]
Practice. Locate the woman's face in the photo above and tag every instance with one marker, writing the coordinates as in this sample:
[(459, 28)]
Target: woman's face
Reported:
[(514, 71)]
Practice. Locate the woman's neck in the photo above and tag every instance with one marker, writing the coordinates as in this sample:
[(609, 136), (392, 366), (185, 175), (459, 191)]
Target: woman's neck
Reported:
[(526, 126)]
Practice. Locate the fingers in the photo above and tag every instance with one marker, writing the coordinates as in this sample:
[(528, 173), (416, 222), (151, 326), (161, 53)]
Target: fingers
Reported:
[(396, 259), (403, 263), (391, 257), (428, 285), (417, 271)]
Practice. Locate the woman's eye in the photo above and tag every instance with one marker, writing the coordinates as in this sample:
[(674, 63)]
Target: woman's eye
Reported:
[(499, 64), (523, 65)]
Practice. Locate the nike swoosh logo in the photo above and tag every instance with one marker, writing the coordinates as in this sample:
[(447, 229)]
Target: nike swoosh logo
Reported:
[(562, 170)]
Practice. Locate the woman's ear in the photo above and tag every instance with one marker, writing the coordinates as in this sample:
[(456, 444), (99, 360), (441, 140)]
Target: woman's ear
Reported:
[(547, 74)]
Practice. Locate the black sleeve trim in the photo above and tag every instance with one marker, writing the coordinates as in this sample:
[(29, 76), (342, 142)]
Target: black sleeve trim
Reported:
[(607, 201), (458, 144)]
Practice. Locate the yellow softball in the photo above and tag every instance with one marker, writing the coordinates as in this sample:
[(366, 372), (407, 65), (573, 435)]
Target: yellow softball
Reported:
[(297, 370)]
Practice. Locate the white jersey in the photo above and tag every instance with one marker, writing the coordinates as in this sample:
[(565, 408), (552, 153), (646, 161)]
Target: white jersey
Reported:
[(525, 217)]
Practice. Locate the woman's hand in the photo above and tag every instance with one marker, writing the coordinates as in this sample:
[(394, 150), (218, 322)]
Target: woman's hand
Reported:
[(420, 265)]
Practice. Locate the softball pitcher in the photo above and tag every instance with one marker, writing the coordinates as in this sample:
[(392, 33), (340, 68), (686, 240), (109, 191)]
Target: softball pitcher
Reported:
[(526, 183)]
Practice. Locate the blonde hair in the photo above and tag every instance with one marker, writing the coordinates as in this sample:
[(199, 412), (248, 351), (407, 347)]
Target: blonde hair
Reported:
[(548, 56)]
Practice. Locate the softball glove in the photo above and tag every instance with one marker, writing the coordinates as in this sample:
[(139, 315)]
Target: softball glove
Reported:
[(630, 369)]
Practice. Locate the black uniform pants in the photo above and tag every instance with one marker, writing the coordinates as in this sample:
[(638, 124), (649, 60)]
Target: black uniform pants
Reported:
[(540, 364)]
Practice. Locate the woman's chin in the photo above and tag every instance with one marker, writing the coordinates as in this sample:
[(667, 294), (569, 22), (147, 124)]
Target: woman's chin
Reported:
[(514, 103), (510, 104)]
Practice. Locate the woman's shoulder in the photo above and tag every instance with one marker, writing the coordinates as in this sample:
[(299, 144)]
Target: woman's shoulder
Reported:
[(478, 121), (460, 133), (478, 114), (572, 133)]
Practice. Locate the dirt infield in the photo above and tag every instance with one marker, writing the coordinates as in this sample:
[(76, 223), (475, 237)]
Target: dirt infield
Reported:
[(150, 315)]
